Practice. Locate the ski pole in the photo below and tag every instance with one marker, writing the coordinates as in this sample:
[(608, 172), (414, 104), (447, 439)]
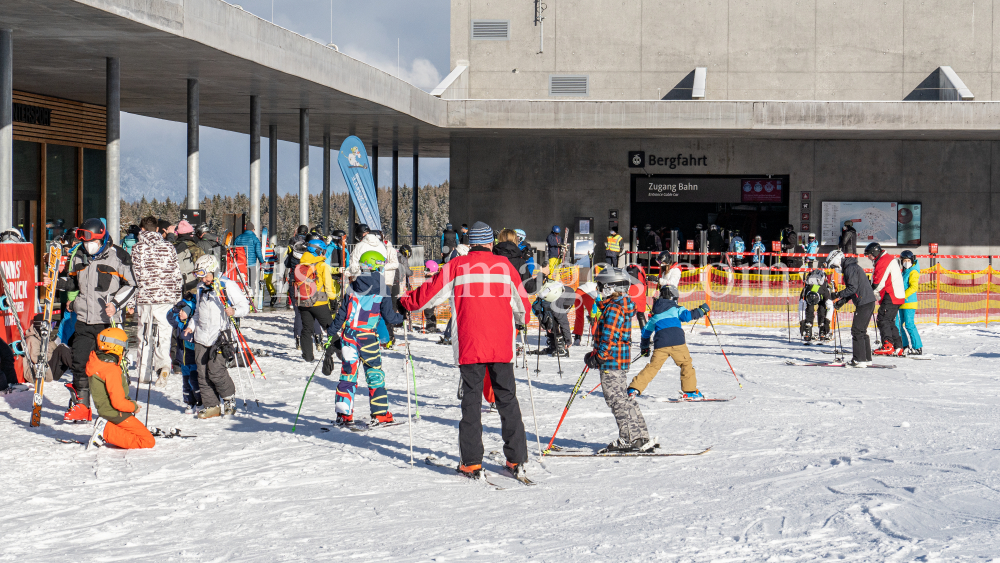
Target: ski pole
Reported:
[(409, 420), (531, 394), (308, 381), (788, 315), (591, 391), (572, 395), (711, 324), (538, 350), (558, 360), (149, 387)]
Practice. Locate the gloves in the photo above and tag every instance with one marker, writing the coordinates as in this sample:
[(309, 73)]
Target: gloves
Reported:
[(520, 327), (840, 303), (874, 285), (400, 309), (334, 348), (643, 352), (592, 361), (704, 308)]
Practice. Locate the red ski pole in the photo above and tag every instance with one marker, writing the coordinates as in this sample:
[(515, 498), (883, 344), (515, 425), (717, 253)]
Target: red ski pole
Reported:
[(591, 391), (711, 324), (572, 395)]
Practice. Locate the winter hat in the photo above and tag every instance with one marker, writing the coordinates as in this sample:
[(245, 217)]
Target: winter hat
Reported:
[(431, 266), (249, 226), (481, 233), (184, 228)]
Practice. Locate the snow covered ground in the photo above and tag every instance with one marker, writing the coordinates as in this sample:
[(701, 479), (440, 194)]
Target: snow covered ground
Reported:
[(806, 464)]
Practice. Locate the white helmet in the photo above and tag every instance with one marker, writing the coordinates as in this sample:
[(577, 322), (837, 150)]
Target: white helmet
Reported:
[(551, 291), (834, 260), (812, 235), (590, 288), (208, 264)]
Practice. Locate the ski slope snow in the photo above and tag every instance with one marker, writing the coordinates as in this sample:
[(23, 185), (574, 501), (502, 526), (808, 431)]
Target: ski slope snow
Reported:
[(806, 464)]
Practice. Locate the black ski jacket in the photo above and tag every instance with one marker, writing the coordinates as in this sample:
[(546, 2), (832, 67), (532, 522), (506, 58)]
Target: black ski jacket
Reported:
[(859, 288), (849, 241), (511, 252)]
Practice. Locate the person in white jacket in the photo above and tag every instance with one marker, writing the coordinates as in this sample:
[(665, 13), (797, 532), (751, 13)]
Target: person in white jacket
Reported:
[(210, 325), (368, 241)]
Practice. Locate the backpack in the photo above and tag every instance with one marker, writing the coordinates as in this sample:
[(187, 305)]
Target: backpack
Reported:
[(306, 283), (186, 260)]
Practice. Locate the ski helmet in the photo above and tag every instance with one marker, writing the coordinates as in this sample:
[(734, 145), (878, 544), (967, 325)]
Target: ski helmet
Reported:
[(812, 235), (699, 227), (302, 229), (521, 235), (201, 229), (590, 288), (405, 250), (835, 260), (91, 229), (372, 260), (316, 247), (11, 235), (611, 280), (664, 258), (298, 249), (113, 340), (816, 277), (907, 255), (713, 227), (556, 229), (205, 265), (736, 232), (551, 291), (448, 227), (848, 223), (669, 292), (431, 266), (756, 238), (360, 231), (338, 234), (874, 251)]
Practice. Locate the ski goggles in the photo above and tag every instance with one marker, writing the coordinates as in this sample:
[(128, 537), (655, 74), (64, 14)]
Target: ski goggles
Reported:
[(87, 236), (201, 272)]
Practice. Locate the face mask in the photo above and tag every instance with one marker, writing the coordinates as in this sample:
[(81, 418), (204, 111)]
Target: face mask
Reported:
[(907, 264), (92, 246)]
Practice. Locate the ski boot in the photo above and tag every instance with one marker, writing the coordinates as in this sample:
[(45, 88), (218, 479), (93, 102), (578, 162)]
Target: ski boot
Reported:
[(856, 364), (517, 471), (229, 405), (298, 343), (210, 412), (901, 352), (560, 351), (806, 331), (389, 345), (645, 445), (470, 471), (345, 420), (493, 407), (97, 436), (274, 301), (190, 409), (444, 341), (887, 349), (77, 411), (617, 446), (432, 330), (381, 419), (576, 340), (461, 391), (161, 381), (691, 395), (824, 334), (916, 352)]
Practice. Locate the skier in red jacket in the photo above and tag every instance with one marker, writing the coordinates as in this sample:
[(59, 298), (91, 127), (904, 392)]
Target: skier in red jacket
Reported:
[(887, 281), (489, 305)]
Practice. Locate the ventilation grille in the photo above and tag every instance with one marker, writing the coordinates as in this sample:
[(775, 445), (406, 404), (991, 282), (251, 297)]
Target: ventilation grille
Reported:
[(491, 29), (569, 85)]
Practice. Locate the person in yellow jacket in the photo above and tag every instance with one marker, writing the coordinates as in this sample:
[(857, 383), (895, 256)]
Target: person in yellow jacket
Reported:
[(906, 319), (314, 290), (613, 247), (109, 387)]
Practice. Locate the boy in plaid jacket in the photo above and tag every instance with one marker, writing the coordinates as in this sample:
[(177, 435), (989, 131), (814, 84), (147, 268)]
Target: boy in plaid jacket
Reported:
[(612, 355)]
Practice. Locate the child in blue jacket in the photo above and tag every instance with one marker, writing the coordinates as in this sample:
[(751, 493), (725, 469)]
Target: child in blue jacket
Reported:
[(185, 352), (668, 342)]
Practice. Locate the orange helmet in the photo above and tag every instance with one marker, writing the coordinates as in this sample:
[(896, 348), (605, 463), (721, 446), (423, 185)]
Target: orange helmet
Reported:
[(113, 340)]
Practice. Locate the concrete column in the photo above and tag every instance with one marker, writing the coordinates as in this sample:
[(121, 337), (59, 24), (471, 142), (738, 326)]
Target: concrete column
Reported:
[(6, 128), (303, 166), (112, 155), (272, 185), (395, 196), (416, 196), (255, 164), (192, 142), (326, 184)]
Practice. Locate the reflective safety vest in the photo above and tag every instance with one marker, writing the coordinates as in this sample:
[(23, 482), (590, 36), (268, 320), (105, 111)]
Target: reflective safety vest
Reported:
[(614, 244)]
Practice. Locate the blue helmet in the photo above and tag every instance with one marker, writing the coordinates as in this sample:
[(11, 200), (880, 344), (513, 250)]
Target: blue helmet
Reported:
[(521, 234), (555, 229), (317, 247)]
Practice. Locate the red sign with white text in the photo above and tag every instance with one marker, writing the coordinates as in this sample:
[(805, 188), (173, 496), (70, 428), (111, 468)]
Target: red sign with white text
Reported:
[(18, 263), (761, 190)]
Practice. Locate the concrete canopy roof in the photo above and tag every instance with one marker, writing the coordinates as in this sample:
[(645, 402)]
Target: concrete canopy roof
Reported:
[(60, 47)]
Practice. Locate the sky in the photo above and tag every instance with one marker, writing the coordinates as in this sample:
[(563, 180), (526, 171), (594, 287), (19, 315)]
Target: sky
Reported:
[(154, 151)]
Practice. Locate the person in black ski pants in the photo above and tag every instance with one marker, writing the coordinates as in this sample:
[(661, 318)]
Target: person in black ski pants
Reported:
[(859, 290)]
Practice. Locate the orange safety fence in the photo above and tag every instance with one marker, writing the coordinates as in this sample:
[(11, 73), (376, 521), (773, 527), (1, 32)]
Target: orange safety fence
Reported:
[(769, 298)]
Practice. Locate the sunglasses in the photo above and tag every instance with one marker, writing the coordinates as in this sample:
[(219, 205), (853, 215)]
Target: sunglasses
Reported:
[(87, 236)]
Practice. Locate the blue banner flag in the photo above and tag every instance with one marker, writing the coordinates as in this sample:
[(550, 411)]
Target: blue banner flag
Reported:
[(353, 160)]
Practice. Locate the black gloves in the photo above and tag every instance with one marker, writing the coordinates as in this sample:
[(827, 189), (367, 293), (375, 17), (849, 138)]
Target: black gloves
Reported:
[(400, 309), (643, 352), (840, 303), (592, 361), (520, 327), (333, 348)]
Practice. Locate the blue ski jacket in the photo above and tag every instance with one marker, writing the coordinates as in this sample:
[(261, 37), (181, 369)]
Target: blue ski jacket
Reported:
[(666, 324)]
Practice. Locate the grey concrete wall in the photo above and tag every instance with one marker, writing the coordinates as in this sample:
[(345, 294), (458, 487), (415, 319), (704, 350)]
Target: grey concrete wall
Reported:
[(534, 183), (770, 49)]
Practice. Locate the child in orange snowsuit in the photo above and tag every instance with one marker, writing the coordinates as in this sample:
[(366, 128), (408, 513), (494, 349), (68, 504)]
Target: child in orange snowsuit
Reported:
[(109, 388)]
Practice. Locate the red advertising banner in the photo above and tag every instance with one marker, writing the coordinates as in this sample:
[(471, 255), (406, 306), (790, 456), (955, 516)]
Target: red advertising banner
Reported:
[(761, 190), (18, 263), (236, 257)]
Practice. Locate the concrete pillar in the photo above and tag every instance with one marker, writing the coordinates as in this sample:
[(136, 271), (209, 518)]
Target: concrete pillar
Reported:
[(112, 155), (6, 128), (326, 184), (255, 164), (395, 196), (303, 166), (192, 143), (416, 196), (272, 185)]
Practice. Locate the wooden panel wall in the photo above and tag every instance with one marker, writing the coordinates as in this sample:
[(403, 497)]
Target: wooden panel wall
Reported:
[(72, 123)]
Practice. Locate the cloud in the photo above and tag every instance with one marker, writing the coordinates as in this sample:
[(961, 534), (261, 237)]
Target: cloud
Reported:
[(422, 73)]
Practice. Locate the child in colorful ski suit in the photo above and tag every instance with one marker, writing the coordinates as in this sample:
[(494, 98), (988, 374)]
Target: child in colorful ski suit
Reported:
[(905, 320), (109, 387), (185, 352), (357, 324)]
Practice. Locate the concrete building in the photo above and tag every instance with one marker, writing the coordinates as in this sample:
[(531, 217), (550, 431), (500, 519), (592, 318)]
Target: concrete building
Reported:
[(576, 110)]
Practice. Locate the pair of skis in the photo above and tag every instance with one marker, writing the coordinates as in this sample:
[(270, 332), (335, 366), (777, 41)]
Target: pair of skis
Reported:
[(38, 368)]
